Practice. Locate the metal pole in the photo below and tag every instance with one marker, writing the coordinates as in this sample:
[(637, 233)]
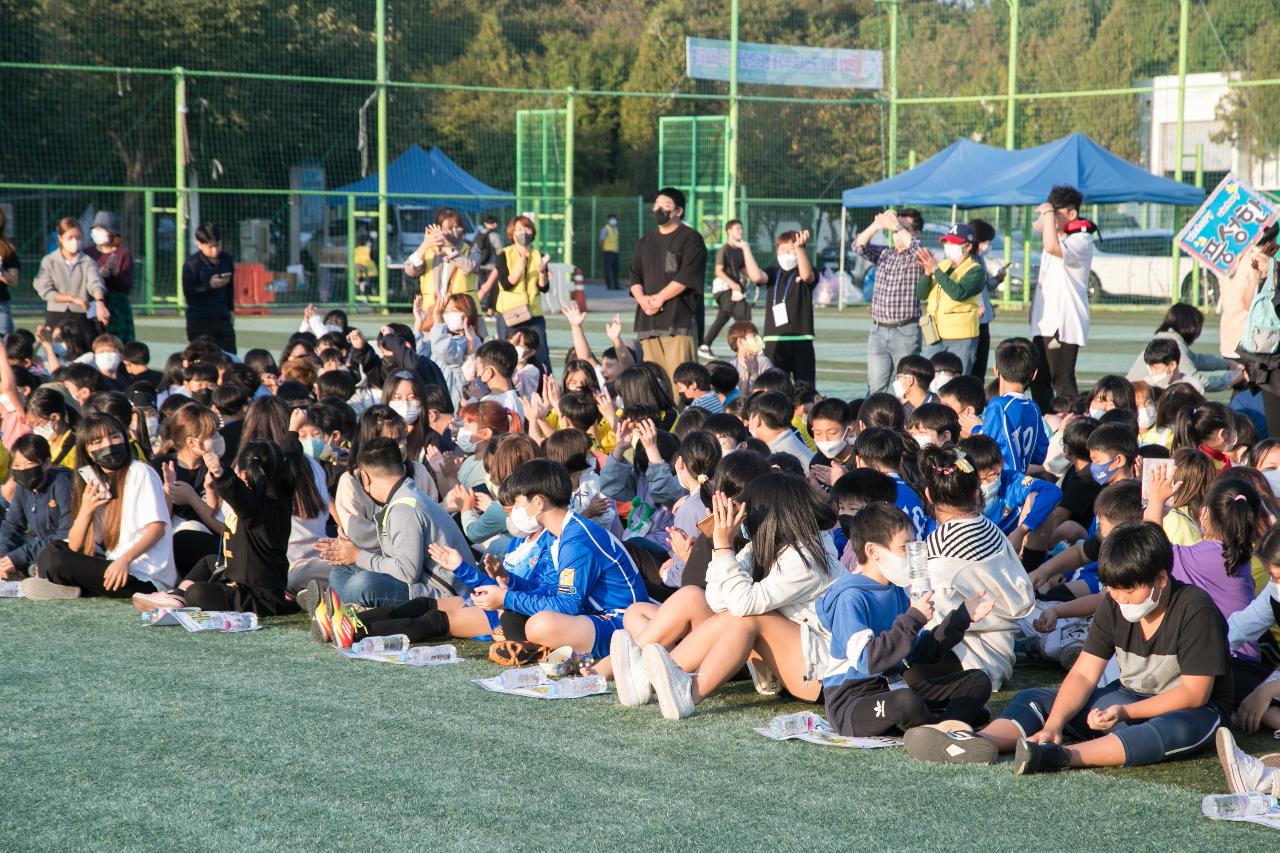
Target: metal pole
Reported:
[(893, 86), (731, 155), (1202, 298), (179, 180), (351, 248), (911, 159), (149, 249), (1026, 255), (1011, 115), (1175, 286), (844, 219), (595, 236), (383, 237), (568, 176)]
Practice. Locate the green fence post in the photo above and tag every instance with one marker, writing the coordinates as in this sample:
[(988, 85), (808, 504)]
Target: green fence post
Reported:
[(1011, 115), (1026, 255), (731, 152), (568, 176), (1175, 285), (893, 85), (1202, 297), (595, 233), (179, 179), (382, 152), (149, 249), (351, 248)]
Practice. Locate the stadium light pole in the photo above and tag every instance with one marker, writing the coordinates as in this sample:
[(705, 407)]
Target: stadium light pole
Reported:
[(893, 85), (731, 154)]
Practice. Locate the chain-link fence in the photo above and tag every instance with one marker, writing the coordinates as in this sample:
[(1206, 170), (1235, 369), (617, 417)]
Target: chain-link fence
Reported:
[(274, 121)]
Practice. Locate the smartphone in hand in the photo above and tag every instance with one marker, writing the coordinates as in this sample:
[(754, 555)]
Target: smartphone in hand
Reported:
[(92, 479)]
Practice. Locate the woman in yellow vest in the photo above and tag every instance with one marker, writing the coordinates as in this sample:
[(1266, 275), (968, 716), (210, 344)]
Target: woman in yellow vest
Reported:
[(444, 264), (521, 277), (609, 252), (951, 291)]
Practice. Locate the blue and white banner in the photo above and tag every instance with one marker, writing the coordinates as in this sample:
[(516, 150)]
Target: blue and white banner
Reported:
[(784, 65), (1231, 220)]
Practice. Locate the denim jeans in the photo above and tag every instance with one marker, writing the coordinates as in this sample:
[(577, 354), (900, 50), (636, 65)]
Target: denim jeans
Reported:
[(370, 589), (885, 346), (6, 318), (965, 349)]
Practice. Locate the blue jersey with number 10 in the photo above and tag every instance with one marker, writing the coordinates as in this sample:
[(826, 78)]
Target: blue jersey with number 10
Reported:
[(1016, 424)]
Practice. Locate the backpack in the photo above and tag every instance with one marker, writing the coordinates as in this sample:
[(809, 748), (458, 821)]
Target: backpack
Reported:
[(1262, 328)]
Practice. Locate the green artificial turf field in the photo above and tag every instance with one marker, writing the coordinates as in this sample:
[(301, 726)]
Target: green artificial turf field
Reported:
[(121, 736)]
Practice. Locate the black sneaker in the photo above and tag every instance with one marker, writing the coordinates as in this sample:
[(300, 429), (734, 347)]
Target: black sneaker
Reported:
[(1029, 758), (949, 742)]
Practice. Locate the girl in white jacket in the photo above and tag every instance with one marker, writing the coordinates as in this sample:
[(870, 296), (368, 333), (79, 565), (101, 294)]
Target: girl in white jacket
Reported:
[(763, 597)]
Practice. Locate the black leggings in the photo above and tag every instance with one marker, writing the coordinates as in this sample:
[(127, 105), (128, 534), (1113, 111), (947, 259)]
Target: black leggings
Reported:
[(419, 619), (59, 564), (983, 353), (729, 310), (209, 592), (795, 358), (1057, 373)]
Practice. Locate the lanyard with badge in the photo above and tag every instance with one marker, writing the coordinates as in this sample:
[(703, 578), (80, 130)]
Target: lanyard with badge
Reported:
[(779, 309)]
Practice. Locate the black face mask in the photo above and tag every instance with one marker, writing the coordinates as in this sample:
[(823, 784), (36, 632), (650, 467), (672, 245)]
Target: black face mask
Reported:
[(113, 457), (29, 478), (662, 216)]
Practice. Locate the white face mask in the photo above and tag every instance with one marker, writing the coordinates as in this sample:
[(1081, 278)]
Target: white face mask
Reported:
[(216, 444), (1146, 417), (1096, 413), (466, 441), (832, 449), (410, 410), (101, 236), (1134, 612), (45, 430), (787, 261), (899, 390), (754, 344), (939, 379), (923, 440), (455, 320), (953, 251), (1272, 477), (106, 361), (521, 352), (72, 245), (1160, 380), (522, 521), (990, 493), (894, 567)]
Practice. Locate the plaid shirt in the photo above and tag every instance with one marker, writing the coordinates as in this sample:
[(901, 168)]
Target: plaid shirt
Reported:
[(893, 300)]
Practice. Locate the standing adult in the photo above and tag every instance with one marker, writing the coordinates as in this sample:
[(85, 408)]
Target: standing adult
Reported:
[(9, 266), (521, 276), (1060, 307), (206, 285), (951, 291), (895, 311), (608, 240), (727, 288), (444, 264), (1237, 292), (115, 265), (668, 274), (68, 280), (489, 242)]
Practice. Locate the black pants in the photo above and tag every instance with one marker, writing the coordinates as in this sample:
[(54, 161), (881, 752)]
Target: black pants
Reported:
[(794, 357), (1057, 374), (729, 310), (956, 695), (983, 353), (221, 329), (209, 592), (60, 564), (490, 300), (611, 270), (419, 619), (189, 548)]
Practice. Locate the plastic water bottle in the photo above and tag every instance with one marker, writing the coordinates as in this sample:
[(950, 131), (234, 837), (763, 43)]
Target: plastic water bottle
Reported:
[(423, 655), (787, 725), (396, 643), (232, 621), (515, 679), (572, 688), (918, 564), (1231, 806), (10, 589)]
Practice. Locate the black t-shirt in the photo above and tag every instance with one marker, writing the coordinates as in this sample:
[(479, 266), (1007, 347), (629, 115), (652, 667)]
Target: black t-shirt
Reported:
[(1191, 640), (1078, 494), (660, 259), (8, 262), (152, 376), (786, 287), (193, 477), (732, 260)]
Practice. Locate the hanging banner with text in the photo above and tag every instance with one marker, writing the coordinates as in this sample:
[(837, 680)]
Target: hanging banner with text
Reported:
[(1231, 220), (784, 65)]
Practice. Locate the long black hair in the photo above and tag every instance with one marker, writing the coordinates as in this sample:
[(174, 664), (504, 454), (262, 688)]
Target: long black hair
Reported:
[(1235, 515), (949, 477), (265, 472), (267, 419), (783, 512)]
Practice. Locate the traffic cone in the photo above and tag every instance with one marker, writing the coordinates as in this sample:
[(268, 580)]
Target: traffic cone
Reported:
[(580, 289)]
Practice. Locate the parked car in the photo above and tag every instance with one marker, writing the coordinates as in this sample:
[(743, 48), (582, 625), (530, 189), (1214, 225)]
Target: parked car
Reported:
[(1139, 265)]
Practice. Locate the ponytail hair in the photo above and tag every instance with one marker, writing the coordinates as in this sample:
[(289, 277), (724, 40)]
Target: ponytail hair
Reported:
[(949, 477), (700, 453), (1235, 515), (259, 461), (1194, 424)]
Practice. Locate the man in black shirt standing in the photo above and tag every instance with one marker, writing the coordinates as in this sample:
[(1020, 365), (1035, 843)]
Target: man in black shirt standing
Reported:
[(668, 273), (207, 285), (727, 288)]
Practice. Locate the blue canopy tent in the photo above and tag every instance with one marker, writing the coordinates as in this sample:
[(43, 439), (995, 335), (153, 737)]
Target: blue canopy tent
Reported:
[(968, 174), (429, 173)]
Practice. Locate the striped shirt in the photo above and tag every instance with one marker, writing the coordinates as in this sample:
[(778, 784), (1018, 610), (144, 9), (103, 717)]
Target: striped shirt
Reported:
[(709, 401), (974, 539), (893, 300)]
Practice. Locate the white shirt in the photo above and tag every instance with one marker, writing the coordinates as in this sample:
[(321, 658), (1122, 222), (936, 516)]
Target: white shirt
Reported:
[(1061, 301), (509, 400), (144, 504)]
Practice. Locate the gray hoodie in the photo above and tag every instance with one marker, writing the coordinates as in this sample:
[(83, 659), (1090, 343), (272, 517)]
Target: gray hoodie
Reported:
[(78, 278)]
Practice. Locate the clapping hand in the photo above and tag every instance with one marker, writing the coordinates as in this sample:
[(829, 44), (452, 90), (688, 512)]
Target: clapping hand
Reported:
[(927, 260), (445, 557)]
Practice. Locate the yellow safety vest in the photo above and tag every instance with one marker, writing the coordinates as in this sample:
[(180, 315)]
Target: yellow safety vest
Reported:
[(956, 321), (610, 242), (459, 281), (526, 291)]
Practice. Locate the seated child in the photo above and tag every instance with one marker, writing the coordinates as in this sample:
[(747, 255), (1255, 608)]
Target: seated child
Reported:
[(946, 366), (1260, 707), (881, 449), (1012, 418), (1020, 505), (880, 651), (830, 422), (693, 385), (912, 381), (1073, 573), (965, 396), (933, 425)]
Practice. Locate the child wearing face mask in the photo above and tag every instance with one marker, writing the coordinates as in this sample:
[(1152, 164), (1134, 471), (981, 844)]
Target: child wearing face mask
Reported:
[(1021, 506), (1111, 392), (933, 425), (107, 357), (1145, 397), (1013, 419), (1162, 359), (1172, 693), (1208, 427), (788, 319), (1112, 451), (40, 510), (879, 645), (912, 381), (527, 378), (946, 366), (749, 358), (453, 340), (829, 423)]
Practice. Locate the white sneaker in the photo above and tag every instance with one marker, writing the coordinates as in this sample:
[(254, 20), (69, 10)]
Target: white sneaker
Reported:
[(43, 589), (764, 678), (144, 601), (629, 674), (704, 351), (1245, 773), (672, 684)]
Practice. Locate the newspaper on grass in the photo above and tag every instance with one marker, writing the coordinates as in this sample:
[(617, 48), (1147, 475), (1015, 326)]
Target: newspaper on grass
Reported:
[(543, 690), (402, 658), (194, 619), (11, 589), (823, 735)]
